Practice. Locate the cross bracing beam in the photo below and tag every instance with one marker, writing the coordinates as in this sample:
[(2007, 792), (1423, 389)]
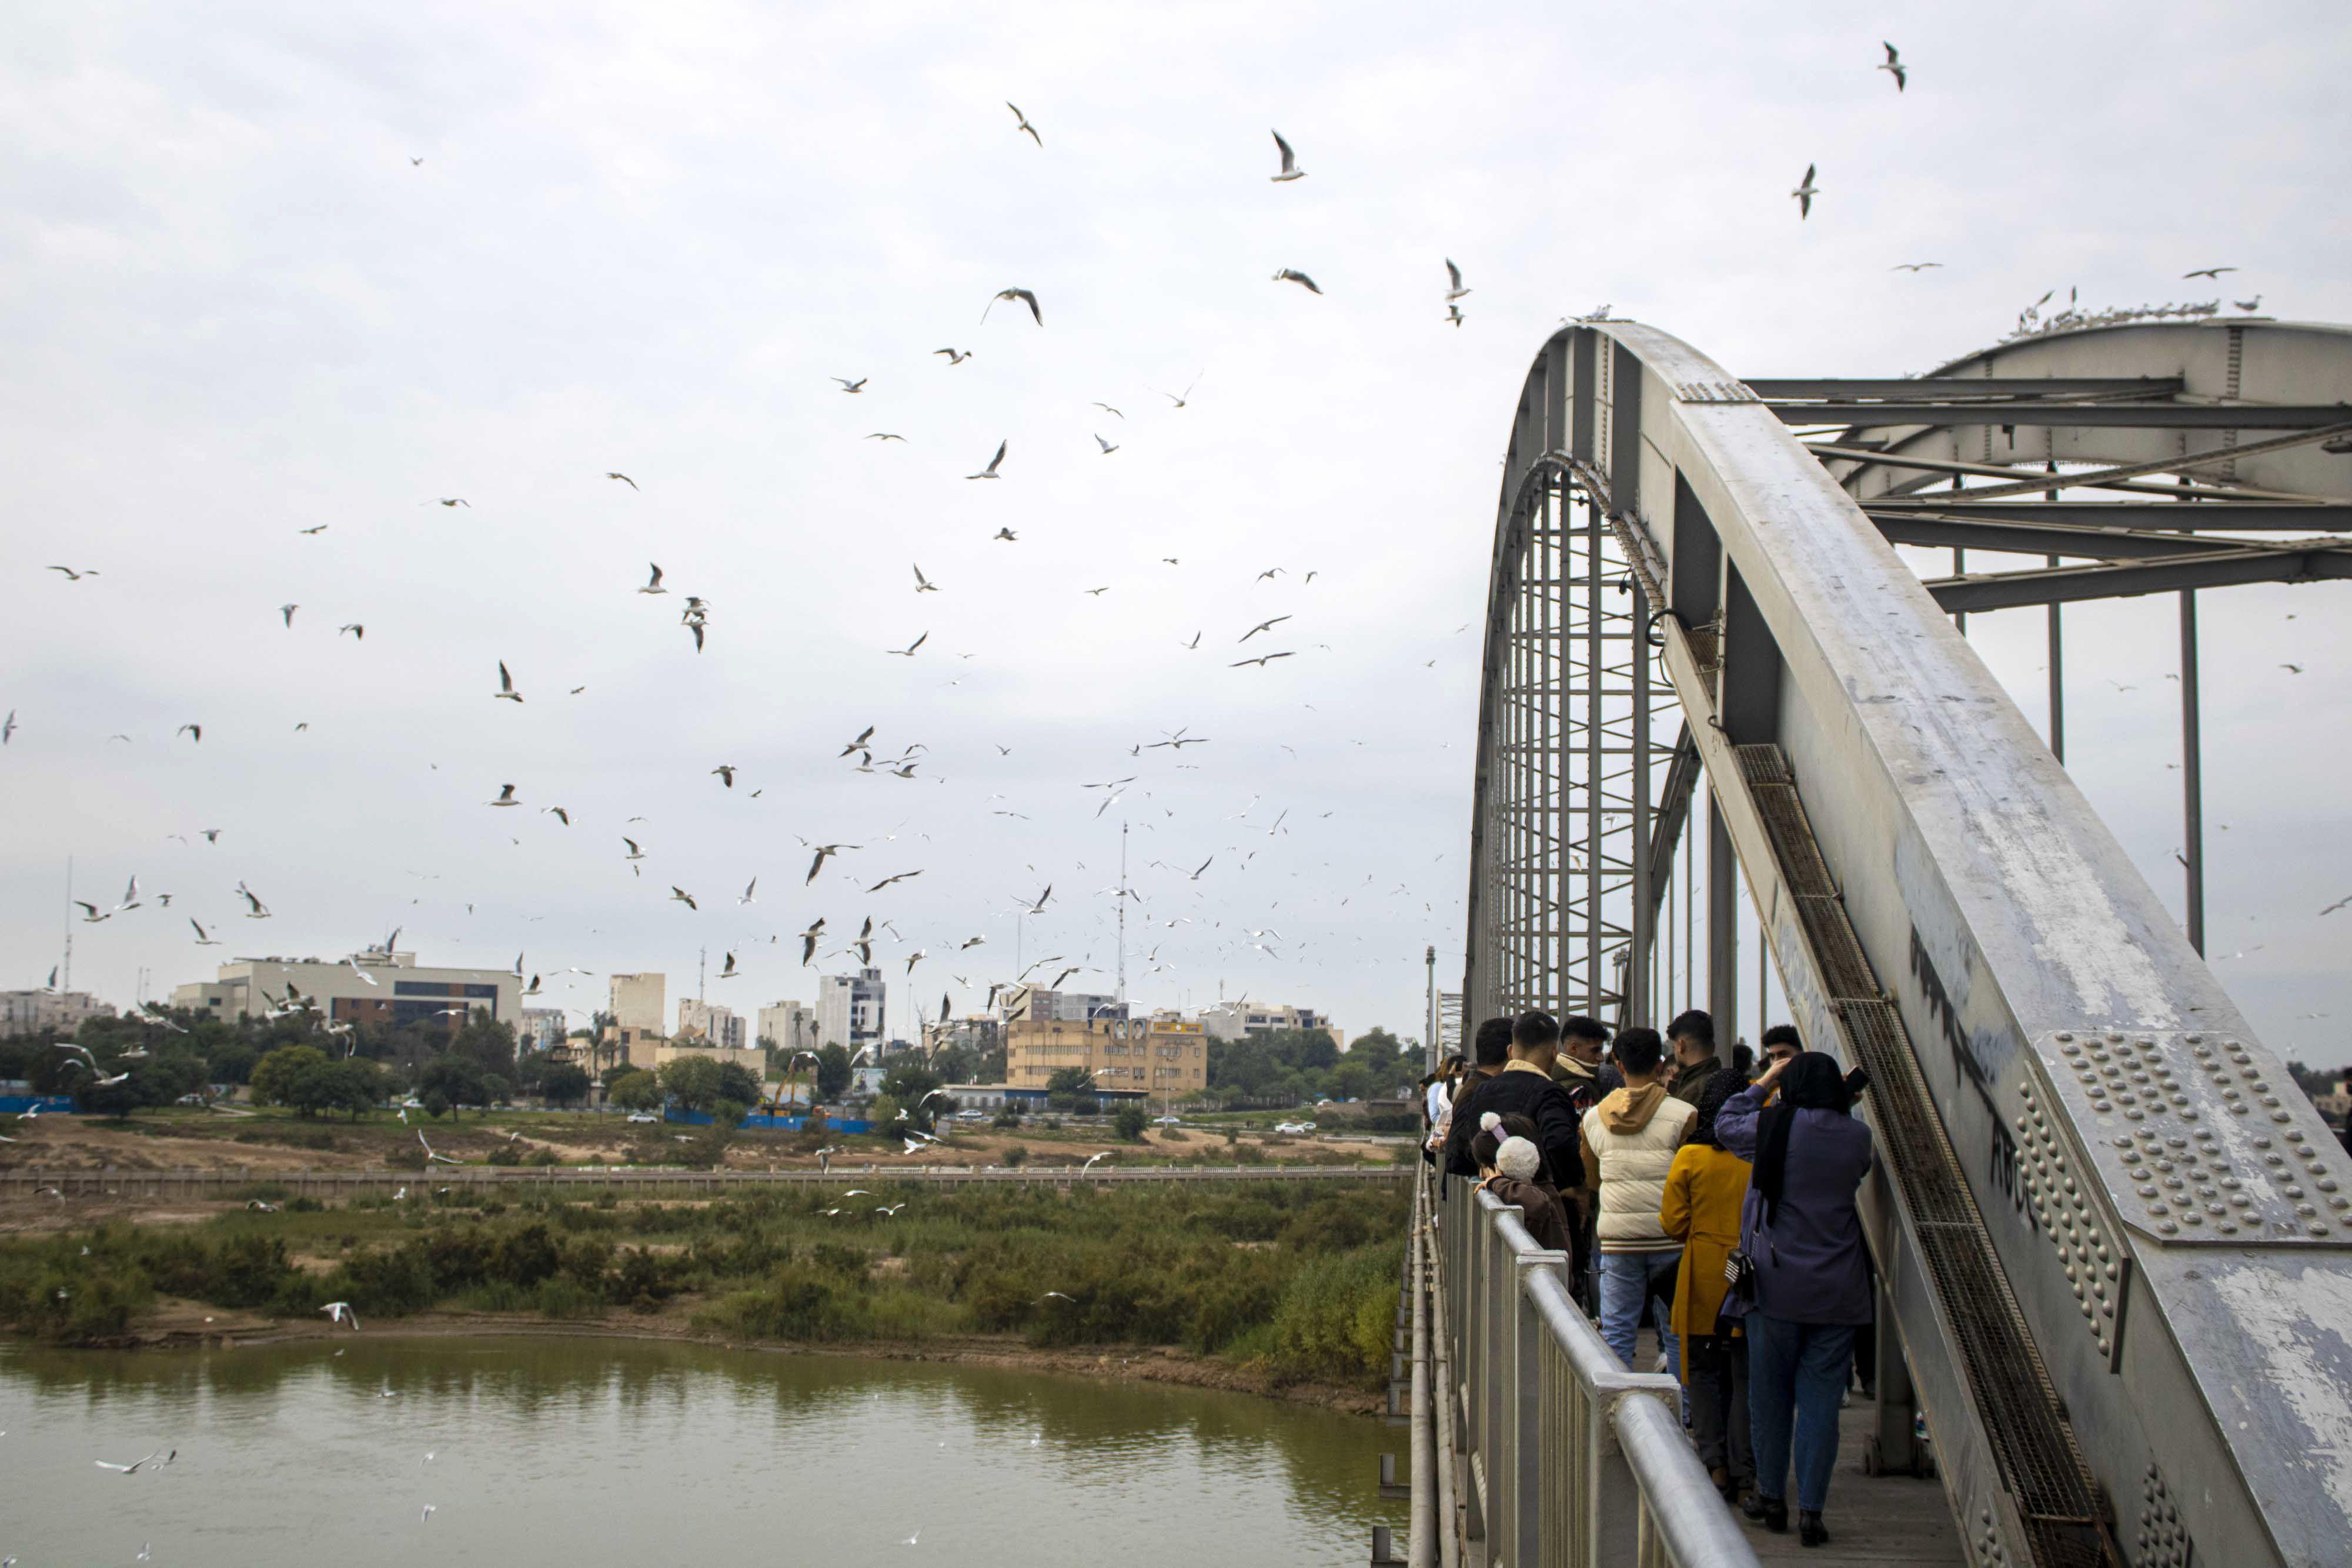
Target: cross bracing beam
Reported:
[(2252, 515), (1779, 387), (1941, 902), (2031, 411), (2003, 534), (2188, 570)]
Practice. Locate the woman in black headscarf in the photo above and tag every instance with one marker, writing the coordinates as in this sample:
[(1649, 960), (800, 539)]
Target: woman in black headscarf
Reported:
[(1812, 1274)]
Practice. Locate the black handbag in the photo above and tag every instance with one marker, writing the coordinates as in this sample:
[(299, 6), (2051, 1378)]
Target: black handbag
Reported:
[(1739, 1276)]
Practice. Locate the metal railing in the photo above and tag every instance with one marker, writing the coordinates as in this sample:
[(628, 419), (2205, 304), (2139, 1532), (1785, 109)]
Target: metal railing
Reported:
[(25, 1181), (1565, 1459)]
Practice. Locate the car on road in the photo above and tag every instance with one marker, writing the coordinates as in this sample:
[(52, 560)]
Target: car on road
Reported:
[(642, 1116)]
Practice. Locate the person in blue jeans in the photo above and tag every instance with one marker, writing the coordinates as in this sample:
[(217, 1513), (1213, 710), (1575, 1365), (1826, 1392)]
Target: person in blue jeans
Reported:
[(1812, 1275), (1628, 1141)]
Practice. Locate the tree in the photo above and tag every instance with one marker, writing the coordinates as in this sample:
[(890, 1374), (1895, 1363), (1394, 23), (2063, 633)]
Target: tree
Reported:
[(488, 1042), (739, 1083), (634, 1090), (910, 1082), (1072, 1090), (454, 1081), (274, 1075), (694, 1081), (563, 1084), (833, 1072), (1129, 1121)]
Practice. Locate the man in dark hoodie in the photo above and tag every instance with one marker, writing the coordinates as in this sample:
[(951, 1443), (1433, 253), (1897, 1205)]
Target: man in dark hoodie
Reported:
[(1580, 1068), (1523, 1087)]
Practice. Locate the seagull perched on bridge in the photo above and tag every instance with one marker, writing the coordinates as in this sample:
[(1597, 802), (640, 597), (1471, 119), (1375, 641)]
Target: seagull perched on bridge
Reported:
[(1290, 169), (1022, 295), (1804, 192), (1291, 274), (1893, 66)]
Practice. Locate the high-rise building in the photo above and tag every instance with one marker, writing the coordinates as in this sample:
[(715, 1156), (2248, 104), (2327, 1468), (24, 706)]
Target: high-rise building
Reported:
[(713, 1023), (30, 1012), (849, 1010), (1231, 1021), (789, 1025), (372, 986), (638, 1001), (541, 1028), (1163, 1055)]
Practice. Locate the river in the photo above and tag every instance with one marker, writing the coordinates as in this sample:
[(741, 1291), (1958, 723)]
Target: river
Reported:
[(583, 1452)]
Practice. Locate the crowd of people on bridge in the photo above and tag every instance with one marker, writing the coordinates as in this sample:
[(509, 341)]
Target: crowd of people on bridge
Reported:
[(1712, 1201)]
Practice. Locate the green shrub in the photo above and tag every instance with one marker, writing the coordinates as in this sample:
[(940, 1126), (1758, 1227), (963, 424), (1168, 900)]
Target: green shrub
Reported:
[(1016, 1156), (1335, 1317)]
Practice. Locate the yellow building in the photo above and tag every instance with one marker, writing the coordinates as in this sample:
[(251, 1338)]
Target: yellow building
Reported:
[(1166, 1058)]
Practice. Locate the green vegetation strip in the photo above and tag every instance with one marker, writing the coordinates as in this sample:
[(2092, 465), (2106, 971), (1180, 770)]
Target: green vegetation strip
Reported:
[(1297, 1280)]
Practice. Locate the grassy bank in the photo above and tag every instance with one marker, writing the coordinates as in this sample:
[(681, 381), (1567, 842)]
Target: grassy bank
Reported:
[(1296, 1281)]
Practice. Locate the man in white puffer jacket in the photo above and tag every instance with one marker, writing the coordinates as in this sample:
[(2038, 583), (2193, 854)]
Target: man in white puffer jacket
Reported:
[(1629, 1142)]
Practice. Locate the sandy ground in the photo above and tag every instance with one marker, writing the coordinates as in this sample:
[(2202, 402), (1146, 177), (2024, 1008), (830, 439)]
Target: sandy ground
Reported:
[(175, 1325), (67, 1142)]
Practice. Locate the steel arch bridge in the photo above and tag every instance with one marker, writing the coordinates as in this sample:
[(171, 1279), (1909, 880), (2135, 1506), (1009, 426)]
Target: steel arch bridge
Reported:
[(2114, 1239)]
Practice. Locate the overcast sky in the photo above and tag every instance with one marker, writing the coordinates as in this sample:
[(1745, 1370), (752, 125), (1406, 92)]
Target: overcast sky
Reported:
[(645, 239)]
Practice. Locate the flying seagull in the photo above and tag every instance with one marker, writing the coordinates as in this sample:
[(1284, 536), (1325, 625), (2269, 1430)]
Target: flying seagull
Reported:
[(887, 881), (256, 911), (449, 501), (337, 1312), (1007, 535), (1804, 192), (73, 576), (824, 852), (850, 386), (358, 631), (885, 436), (1288, 275), (750, 890), (1024, 124), (1453, 275), (908, 650), (7, 727), (1107, 448), (2213, 272), (1261, 662), (287, 612), (203, 940), (506, 692), (955, 356), (808, 941), (1914, 265), (653, 584), (923, 584), (320, 529), (679, 896), (728, 972), (635, 853), (1454, 314), (1894, 67), (1024, 296), (1290, 169), (725, 774), (624, 479), (1179, 402), (506, 797), (1262, 626), (989, 472)]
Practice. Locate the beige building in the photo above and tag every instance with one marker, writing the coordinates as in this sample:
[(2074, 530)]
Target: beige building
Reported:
[(368, 987), (709, 1023), (1163, 1056), (30, 1012), (1231, 1021), (788, 1026), (638, 1001)]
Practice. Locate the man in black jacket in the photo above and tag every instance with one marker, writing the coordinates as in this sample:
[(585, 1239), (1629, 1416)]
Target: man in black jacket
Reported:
[(1524, 1086)]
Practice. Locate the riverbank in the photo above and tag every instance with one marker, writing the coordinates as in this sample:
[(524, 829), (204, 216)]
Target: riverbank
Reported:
[(183, 1326), (1261, 1286)]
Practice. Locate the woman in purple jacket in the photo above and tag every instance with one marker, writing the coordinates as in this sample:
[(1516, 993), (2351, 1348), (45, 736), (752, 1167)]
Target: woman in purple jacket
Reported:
[(1812, 1277)]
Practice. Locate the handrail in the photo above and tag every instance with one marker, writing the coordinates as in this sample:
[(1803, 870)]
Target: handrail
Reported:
[(1566, 1459)]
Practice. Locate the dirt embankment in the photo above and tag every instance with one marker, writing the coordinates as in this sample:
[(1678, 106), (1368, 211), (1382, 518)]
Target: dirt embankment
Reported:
[(175, 1325)]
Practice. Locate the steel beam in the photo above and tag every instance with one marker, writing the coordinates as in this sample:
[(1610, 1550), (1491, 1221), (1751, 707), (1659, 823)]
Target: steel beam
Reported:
[(2102, 479), (1780, 387), (2004, 535), (2108, 415), (2203, 517), (2069, 584)]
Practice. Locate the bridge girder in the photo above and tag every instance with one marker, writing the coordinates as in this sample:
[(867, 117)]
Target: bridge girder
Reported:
[(2144, 1198)]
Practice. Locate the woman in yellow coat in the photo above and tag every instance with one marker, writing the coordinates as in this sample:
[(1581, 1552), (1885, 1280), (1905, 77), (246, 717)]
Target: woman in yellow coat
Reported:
[(1705, 1187)]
